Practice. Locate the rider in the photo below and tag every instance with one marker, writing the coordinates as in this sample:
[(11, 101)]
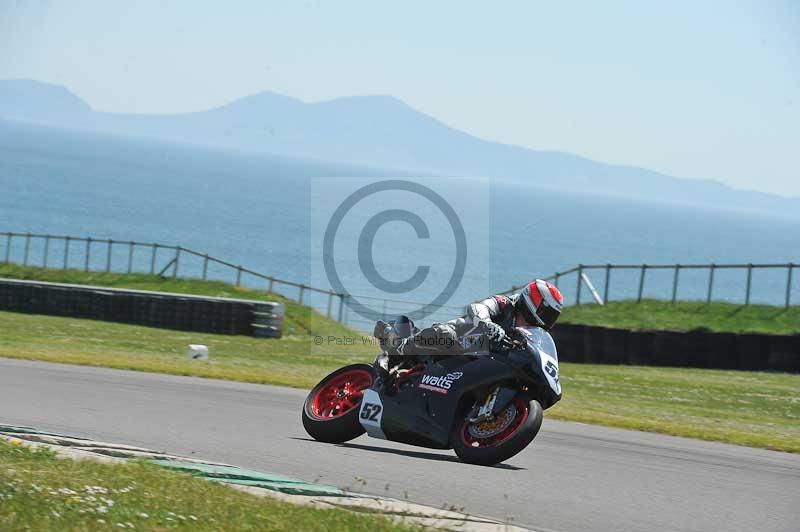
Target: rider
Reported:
[(539, 305)]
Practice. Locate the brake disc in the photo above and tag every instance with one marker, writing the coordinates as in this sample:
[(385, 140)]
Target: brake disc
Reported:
[(493, 427)]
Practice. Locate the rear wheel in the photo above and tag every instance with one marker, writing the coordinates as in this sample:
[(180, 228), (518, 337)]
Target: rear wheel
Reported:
[(330, 413), (491, 442)]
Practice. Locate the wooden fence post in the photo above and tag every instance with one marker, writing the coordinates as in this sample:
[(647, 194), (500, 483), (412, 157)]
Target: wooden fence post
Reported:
[(46, 250), (578, 288), (675, 283), (789, 285), (66, 253), (153, 260), (239, 276), (749, 279), (8, 248), (108, 256), (177, 261), (302, 292), (710, 282), (608, 281), (131, 245), (205, 266), (27, 248), (641, 283), (88, 251)]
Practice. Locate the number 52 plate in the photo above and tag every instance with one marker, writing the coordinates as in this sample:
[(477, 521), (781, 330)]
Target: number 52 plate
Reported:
[(371, 413)]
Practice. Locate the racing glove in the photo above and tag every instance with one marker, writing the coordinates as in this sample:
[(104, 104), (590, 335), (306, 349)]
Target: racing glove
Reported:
[(494, 333)]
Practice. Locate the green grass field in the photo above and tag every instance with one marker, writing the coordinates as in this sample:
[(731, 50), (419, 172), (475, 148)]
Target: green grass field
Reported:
[(749, 408), (41, 492), (756, 409), (685, 316)]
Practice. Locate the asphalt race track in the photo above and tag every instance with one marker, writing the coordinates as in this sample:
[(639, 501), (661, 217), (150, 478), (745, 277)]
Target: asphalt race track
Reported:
[(573, 477)]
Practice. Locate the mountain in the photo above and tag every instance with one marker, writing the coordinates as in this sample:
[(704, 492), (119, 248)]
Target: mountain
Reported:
[(378, 131), (32, 100)]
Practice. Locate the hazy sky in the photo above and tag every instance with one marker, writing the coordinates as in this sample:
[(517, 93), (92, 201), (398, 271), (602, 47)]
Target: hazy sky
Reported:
[(694, 89)]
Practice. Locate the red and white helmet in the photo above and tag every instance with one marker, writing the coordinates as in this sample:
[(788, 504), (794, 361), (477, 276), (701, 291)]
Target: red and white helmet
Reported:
[(540, 304)]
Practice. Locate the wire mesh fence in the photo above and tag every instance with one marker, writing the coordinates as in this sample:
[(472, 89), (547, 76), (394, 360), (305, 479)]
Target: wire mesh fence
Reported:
[(770, 284), (773, 284), (125, 256)]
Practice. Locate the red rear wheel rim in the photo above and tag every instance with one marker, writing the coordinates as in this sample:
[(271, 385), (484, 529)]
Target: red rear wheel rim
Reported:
[(340, 394), (523, 410)]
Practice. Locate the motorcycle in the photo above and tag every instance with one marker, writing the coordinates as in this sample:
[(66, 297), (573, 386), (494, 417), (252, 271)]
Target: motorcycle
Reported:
[(485, 404)]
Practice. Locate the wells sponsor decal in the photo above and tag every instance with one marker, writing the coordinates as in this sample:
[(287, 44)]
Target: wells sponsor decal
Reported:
[(439, 384)]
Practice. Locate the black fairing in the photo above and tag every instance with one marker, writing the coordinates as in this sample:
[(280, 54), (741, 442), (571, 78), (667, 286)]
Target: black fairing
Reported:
[(425, 416), (531, 362)]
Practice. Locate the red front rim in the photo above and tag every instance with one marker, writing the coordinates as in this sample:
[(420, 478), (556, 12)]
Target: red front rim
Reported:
[(523, 409), (341, 394)]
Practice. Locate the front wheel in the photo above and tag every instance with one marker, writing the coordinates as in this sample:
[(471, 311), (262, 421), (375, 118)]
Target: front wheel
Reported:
[(492, 442), (330, 413)]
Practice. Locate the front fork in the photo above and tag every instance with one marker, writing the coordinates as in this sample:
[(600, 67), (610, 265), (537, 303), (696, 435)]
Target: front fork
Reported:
[(482, 412), (494, 403)]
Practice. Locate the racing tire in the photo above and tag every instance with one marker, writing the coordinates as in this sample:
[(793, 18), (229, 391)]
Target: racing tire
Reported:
[(330, 411), (507, 442)]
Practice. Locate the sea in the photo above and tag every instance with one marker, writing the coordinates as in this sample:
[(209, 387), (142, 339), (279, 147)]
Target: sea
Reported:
[(403, 243)]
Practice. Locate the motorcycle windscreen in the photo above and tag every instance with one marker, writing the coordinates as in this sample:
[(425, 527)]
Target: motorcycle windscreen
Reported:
[(540, 342)]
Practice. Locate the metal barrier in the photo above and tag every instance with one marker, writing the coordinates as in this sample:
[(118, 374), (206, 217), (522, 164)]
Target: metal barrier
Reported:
[(188, 312), (594, 344)]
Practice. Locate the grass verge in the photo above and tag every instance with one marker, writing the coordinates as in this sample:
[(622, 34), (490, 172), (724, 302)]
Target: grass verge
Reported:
[(756, 409), (289, 361), (747, 408), (39, 491), (688, 315)]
